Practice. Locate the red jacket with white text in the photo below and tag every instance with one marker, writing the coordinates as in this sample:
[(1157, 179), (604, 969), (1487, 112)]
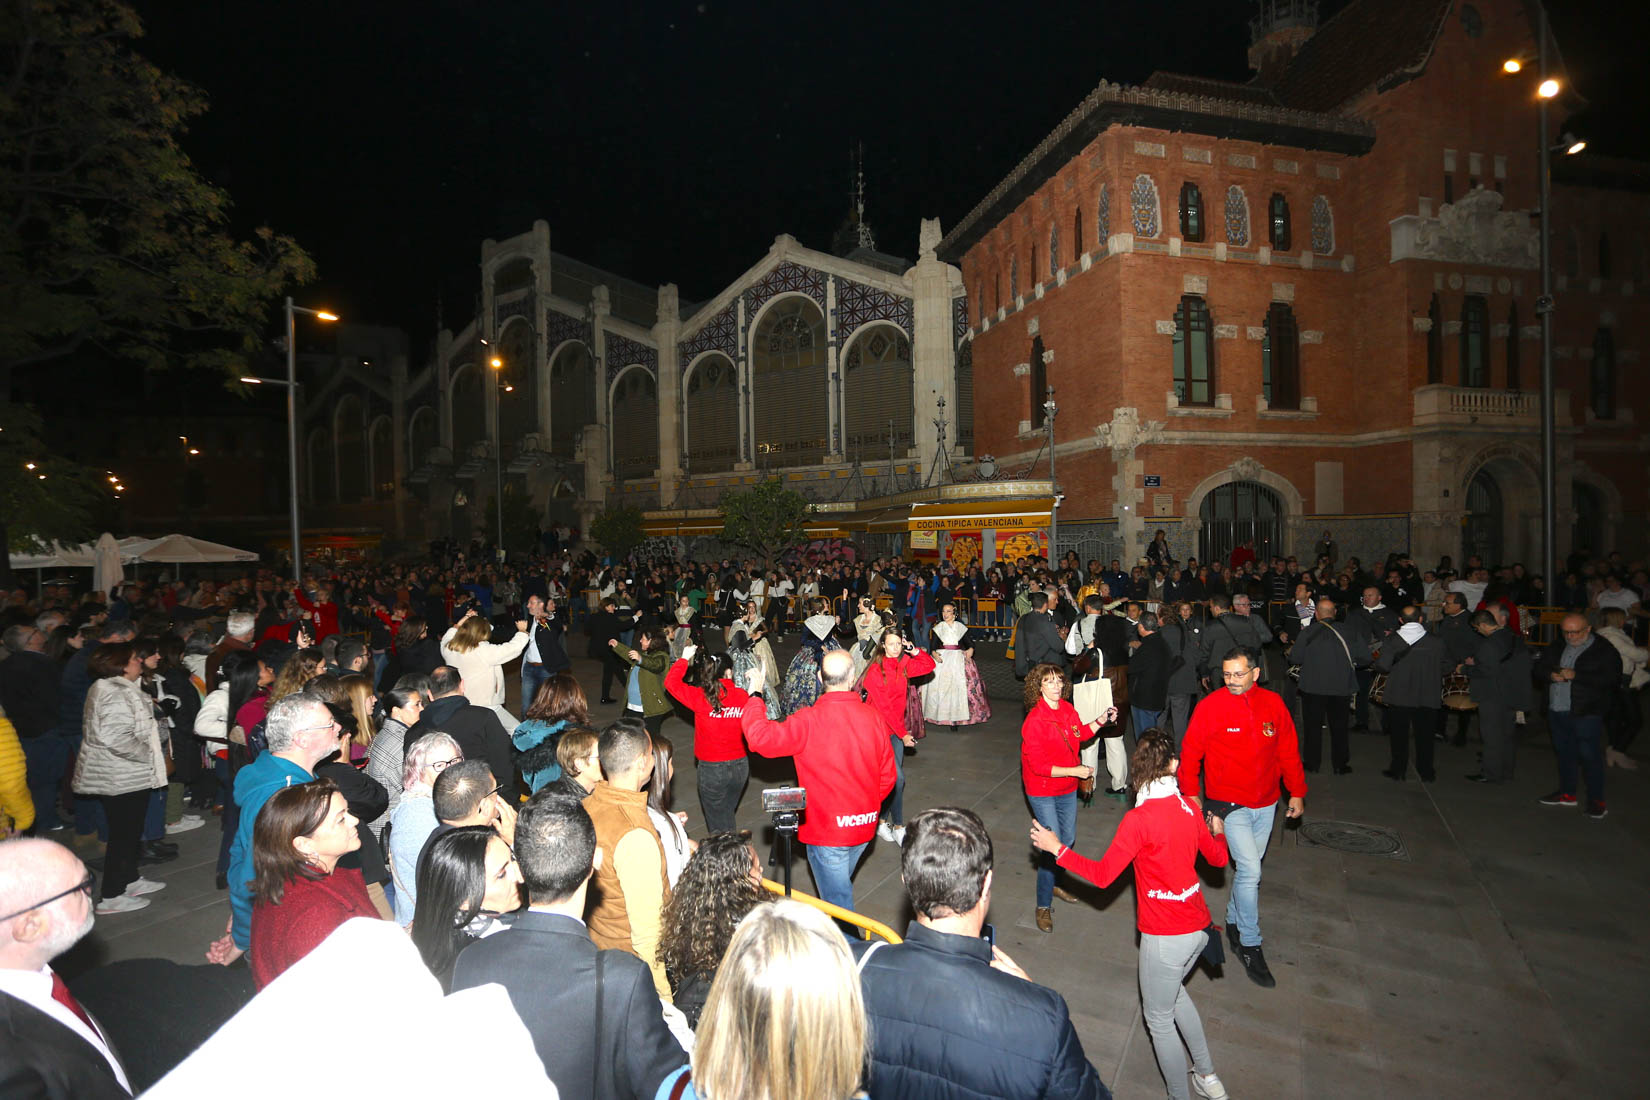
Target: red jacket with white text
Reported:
[(843, 757), (716, 733)]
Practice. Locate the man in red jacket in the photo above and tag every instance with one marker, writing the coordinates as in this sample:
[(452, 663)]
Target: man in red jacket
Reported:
[(845, 760), (1239, 744)]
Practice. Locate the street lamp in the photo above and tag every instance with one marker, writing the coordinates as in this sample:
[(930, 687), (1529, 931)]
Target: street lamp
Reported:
[(291, 384), (1049, 409), (497, 363)]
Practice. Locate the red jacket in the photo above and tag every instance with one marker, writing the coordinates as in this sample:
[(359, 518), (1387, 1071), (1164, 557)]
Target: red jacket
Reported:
[(843, 757), (309, 911), (1162, 838), (887, 684), (716, 733), (1048, 739), (325, 615), (1228, 746)]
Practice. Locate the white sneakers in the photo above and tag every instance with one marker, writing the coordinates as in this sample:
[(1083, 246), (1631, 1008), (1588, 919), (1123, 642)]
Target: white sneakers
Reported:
[(892, 833), (1208, 1086), (184, 824), (144, 886), (125, 903)]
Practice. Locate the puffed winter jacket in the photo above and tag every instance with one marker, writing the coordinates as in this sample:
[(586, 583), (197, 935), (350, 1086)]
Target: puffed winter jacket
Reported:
[(15, 800), (121, 752)]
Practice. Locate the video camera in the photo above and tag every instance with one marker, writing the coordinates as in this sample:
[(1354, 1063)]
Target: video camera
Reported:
[(785, 806)]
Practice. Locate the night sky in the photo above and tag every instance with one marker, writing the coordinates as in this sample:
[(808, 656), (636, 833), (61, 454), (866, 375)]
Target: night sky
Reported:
[(671, 141)]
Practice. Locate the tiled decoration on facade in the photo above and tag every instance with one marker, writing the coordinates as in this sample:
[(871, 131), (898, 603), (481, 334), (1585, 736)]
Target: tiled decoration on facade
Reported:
[(1237, 216), (1013, 278), (788, 277), (959, 314), (559, 328), (1323, 227), (622, 351), (520, 307), (1103, 220), (1053, 251), (1143, 200), (720, 333), (858, 304)]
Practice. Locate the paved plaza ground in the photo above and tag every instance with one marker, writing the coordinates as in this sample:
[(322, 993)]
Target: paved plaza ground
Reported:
[(1496, 954)]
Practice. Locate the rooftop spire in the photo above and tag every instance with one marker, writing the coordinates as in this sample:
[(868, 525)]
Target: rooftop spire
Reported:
[(1276, 34)]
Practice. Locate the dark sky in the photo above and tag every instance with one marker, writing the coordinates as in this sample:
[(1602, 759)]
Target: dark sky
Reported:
[(668, 140)]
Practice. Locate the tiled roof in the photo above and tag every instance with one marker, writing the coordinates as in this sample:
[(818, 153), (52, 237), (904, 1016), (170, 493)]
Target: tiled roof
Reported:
[(1368, 44), (1218, 89)]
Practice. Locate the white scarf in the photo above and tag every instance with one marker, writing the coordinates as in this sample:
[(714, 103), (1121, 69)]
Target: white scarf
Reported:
[(1161, 787), (1412, 632)]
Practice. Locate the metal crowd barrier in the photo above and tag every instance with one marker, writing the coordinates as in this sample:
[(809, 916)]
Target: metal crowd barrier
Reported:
[(847, 916)]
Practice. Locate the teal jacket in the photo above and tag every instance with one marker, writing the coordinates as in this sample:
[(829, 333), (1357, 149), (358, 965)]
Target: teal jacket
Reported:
[(255, 785)]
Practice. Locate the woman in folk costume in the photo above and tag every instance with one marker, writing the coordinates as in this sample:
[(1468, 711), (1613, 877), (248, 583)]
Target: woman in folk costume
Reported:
[(750, 649), (955, 696), (802, 684), (868, 628), (681, 636)]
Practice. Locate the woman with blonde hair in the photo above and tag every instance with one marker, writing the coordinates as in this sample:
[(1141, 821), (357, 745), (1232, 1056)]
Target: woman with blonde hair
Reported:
[(481, 663), (784, 1020), (297, 671)]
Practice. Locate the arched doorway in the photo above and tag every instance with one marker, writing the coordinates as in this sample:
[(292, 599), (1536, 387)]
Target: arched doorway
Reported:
[(876, 386), (1236, 512), (1588, 533), (572, 397), (790, 410), (1481, 531)]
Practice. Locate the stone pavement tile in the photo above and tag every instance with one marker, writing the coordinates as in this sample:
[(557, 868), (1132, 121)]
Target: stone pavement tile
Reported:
[(1328, 978), (1254, 1060)]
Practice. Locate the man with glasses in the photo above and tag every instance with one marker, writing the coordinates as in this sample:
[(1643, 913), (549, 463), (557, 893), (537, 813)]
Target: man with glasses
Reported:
[(50, 1046), (1581, 677), (301, 733)]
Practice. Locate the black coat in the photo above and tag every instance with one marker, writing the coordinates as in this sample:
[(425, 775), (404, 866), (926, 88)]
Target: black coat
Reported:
[(1326, 668), (1112, 635), (28, 692), (1149, 673), (1460, 639), (1036, 642), (604, 627), (1598, 675), (1500, 670), (1415, 673), (45, 1060), (1001, 1036), (477, 730), (547, 964), (548, 637)]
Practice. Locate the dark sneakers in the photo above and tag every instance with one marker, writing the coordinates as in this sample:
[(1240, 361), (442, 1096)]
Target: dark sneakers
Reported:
[(1597, 810), (1558, 798), (1254, 964)]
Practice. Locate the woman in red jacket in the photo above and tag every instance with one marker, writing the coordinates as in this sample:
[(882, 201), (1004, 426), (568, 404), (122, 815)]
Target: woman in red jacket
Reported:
[(1162, 836), (887, 684), (702, 682), (1050, 769), (300, 894)]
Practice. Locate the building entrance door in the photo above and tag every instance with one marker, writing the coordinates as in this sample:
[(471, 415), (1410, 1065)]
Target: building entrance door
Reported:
[(1485, 520), (1235, 513)]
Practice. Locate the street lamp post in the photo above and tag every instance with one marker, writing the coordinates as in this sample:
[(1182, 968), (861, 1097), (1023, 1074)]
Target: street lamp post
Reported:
[(497, 363), (1049, 409), (1544, 309)]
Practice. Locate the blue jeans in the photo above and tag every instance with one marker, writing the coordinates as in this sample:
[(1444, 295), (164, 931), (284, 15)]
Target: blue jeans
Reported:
[(1578, 741), (380, 658), (46, 758), (894, 804), (154, 818), (1248, 831), (1057, 812), (833, 870), (532, 678), (1148, 719)]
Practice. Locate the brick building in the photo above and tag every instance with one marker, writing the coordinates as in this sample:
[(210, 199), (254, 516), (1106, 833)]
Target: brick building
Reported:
[(1308, 302)]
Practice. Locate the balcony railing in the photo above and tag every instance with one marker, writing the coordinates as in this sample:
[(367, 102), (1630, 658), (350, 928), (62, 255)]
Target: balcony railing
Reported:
[(1473, 405)]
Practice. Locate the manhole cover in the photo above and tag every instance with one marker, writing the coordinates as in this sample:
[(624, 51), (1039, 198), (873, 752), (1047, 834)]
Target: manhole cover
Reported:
[(1346, 836)]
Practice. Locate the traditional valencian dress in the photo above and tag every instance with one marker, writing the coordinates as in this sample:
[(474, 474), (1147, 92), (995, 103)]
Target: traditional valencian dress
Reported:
[(955, 696), (868, 629), (748, 655), (682, 635), (802, 684)]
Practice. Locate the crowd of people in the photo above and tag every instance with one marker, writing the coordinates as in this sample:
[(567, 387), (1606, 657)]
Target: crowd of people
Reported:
[(353, 740)]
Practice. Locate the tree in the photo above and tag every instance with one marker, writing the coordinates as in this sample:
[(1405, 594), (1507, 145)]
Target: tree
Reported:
[(109, 238), (521, 519), (618, 530), (765, 519), (43, 499)]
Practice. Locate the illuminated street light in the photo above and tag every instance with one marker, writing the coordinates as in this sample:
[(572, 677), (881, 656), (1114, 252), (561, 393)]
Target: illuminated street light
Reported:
[(1512, 65), (1576, 145), (496, 363), (1547, 89)]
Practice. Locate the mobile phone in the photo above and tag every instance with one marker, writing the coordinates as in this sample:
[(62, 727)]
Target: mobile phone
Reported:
[(988, 934)]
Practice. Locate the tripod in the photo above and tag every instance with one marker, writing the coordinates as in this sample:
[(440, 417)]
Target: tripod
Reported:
[(785, 825)]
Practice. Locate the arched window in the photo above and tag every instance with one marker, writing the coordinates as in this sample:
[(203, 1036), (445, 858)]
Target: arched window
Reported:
[(423, 435), (1014, 279), (1512, 347), (877, 382), (1277, 216), (1077, 234), (1194, 357), (1144, 212), (1191, 212), (635, 425), (1102, 223), (1280, 373), (1323, 227), (1053, 251), (1603, 375), (965, 394), (572, 397), (1039, 383), (1033, 270), (1606, 266), (979, 302), (1475, 342), (468, 410), (712, 404), (1237, 216), (790, 413), (1435, 342), (517, 406)]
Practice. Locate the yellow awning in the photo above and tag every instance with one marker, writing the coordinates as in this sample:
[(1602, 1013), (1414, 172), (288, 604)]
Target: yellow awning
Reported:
[(712, 525), (960, 515)]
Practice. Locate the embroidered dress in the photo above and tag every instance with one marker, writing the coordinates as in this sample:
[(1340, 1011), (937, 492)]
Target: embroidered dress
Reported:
[(681, 636), (945, 696), (802, 684), (867, 628), (747, 657)]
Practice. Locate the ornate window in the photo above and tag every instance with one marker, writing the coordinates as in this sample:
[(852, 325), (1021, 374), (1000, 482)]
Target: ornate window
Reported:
[(790, 410), (1323, 227), (1237, 216), (1512, 347), (1603, 375), (1014, 279), (876, 389), (1280, 358), (1032, 270), (1077, 234), (1144, 207), (1191, 212), (712, 406), (1102, 221), (1039, 383), (980, 322), (1053, 251), (1435, 342), (1475, 341), (1277, 211), (790, 340), (1194, 357)]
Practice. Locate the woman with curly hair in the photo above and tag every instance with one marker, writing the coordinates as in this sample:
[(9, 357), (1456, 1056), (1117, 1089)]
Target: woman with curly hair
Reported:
[(720, 884), (298, 670), (559, 705)]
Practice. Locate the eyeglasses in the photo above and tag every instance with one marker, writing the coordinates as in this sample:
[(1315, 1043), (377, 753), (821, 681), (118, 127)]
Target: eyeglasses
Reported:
[(442, 765), (328, 726), (85, 884)]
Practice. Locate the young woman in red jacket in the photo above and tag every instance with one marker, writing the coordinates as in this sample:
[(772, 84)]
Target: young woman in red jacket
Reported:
[(887, 684), (300, 894), (1050, 769), (702, 681), (1162, 837)]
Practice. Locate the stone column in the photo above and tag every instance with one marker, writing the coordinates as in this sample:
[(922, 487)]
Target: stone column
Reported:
[(1125, 434), (743, 373), (398, 441), (600, 306), (833, 374), (541, 349), (933, 353), (666, 331)]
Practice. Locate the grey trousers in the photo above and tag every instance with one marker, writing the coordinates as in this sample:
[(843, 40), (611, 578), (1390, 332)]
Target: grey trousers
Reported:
[(1164, 963), (1500, 734)]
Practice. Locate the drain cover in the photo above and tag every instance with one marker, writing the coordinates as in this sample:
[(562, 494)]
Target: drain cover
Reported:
[(1346, 836)]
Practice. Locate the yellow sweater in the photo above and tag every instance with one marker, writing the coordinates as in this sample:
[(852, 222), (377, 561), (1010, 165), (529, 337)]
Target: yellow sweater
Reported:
[(15, 802)]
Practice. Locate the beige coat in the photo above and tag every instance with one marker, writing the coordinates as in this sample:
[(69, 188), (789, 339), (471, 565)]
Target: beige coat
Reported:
[(483, 666), (121, 752)]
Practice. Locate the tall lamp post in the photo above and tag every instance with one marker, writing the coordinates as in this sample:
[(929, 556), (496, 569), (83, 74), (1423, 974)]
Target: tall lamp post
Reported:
[(497, 363), (1049, 409), (291, 384)]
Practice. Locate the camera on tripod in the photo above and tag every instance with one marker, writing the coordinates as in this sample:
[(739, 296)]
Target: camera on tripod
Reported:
[(785, 806)]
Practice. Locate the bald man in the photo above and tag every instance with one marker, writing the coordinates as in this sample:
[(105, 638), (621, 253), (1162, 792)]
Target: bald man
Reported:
[(50, 1046), (844, 759), (1581, 676)]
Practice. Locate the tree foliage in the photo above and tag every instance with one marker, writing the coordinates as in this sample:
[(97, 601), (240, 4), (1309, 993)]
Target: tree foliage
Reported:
[(618, 530), (765, 519), (109, 238), (521, 519), (55, 501)]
